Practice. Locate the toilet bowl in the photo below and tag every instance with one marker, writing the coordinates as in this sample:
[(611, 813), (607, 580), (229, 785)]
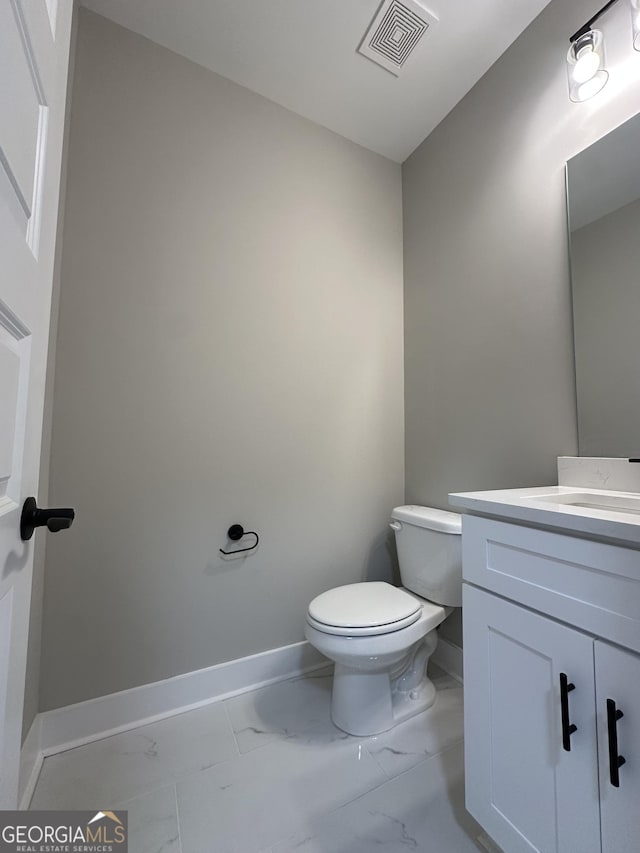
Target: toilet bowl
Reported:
[(381, 636)]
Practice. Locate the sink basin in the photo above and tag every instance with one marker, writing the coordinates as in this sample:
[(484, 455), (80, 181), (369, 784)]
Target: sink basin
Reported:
[(609, 503)]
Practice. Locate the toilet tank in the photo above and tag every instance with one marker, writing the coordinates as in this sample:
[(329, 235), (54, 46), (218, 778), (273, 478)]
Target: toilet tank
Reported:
[(429, 544)]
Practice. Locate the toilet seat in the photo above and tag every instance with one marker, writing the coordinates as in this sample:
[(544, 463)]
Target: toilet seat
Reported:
[(364, 609)]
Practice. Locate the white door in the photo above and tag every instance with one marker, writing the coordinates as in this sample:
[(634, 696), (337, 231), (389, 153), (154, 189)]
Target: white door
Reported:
[(531, 780), (34, 58), (618, 703)]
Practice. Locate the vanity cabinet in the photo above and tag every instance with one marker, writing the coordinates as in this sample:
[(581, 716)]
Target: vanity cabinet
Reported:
[(617, 674), (542, 697)]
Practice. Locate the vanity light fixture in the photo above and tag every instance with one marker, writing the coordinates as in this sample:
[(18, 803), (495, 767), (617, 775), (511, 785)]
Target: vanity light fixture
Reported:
[(585, 60), (585, 66)]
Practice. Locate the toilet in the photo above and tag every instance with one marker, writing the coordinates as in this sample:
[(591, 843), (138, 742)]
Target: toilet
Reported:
[(381, 636)]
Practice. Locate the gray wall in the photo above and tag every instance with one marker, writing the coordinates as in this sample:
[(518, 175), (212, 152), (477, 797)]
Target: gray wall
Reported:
[(490, 389), (229, 350), (605, 259)]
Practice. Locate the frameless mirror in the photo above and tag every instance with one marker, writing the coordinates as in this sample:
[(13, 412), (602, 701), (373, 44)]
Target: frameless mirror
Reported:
[(603, 202)]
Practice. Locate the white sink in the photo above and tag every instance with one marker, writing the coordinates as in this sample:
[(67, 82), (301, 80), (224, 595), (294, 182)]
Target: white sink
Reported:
[(610, 503)]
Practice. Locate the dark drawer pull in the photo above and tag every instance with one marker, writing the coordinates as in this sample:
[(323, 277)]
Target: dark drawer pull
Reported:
[(568, 728), (615, 760)]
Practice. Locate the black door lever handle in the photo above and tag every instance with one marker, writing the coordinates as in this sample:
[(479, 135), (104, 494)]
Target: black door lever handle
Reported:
[(59, 523), (53, 519)]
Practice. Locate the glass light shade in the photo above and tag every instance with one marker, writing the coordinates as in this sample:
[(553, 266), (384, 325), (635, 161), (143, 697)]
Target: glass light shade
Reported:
[(635, 23), (585, 65)]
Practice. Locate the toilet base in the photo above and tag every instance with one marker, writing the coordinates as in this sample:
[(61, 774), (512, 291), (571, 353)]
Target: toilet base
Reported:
[(365, 703)]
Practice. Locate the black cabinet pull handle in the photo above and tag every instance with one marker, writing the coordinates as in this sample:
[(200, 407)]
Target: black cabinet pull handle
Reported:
[(568, 728), (615, 761), (54, 519)]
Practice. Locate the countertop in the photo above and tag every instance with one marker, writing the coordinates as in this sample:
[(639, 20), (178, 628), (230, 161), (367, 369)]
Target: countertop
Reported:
[(525, 506)]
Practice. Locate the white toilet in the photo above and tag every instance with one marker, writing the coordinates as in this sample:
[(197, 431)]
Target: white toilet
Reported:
[(381, 636)]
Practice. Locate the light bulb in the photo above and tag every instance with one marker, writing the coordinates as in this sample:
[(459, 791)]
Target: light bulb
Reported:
[(587, 64)]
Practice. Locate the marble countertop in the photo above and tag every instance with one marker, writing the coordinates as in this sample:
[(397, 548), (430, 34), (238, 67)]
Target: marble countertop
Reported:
[(539, 507)]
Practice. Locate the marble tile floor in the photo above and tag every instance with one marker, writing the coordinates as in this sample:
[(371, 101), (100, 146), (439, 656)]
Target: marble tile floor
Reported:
[(267, 772)]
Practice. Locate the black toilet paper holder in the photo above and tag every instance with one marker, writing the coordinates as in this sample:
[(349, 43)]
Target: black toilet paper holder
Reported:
[(236, 532)]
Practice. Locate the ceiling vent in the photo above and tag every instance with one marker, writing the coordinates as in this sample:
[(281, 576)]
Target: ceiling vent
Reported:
[(394, 32)]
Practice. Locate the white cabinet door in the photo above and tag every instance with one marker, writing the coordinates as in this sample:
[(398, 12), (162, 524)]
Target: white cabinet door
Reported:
[(34, 57), (618, 713), (524, 788)]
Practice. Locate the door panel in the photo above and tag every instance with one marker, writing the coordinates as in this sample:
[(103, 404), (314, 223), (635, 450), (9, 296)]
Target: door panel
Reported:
[(618, 679), (521, 785)]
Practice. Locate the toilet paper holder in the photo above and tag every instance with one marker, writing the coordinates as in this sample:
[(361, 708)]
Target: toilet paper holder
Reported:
[(235, 533)]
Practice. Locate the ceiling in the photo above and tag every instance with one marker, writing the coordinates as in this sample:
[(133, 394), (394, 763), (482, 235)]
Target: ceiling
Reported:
[(302, 54)]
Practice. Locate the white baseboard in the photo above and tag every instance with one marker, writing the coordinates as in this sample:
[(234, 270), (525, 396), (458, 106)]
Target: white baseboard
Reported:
[(79, 724), (448, 657), (31, 758)]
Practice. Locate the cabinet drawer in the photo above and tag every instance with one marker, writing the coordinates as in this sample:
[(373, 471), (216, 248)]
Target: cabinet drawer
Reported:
[(592, 585)]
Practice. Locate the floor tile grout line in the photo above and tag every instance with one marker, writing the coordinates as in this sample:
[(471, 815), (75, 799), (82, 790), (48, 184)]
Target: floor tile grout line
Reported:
[(354, 799), (354, 742), (174, 779), (385, 782), (282, 735), (431, 755), (192, 773), (364, 794), (388, 777), (425, 757), (175, 797), (337, 808), (230, 724)]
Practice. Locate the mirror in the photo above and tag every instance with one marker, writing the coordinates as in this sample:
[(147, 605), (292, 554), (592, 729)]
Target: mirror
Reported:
[(603, 202)]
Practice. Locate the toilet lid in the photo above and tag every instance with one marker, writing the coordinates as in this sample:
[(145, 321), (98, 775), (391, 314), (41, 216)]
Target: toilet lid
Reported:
[(364, 605)]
